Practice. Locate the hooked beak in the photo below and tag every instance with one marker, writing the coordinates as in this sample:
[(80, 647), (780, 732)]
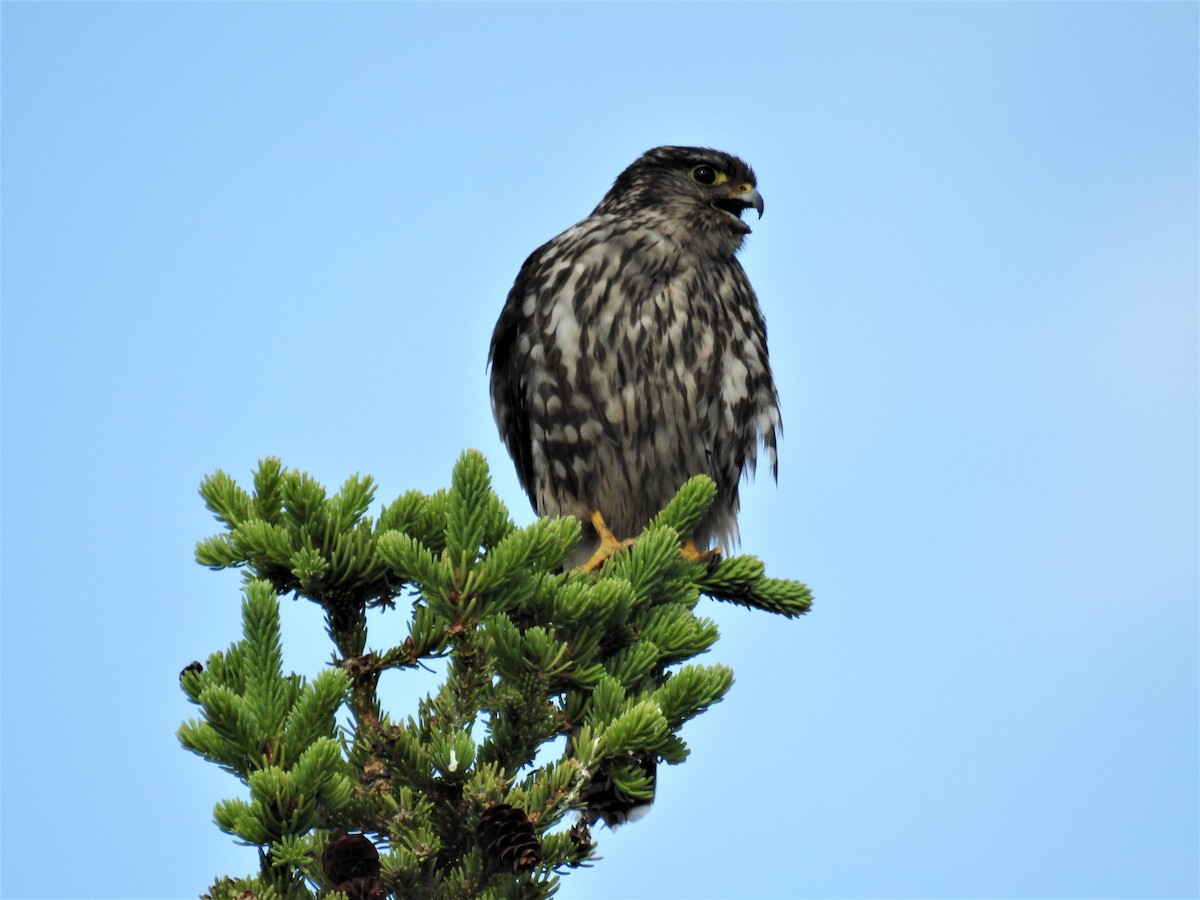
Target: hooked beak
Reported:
[(752, 198), (746, 197)]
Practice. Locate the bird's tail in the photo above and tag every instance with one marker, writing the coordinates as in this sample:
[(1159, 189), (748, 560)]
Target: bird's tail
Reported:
[(608, 804)]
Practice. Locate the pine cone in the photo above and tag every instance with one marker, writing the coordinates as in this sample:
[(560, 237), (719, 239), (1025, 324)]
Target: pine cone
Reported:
[(350, 857), (581, 842), (362, 889), (506, 836)]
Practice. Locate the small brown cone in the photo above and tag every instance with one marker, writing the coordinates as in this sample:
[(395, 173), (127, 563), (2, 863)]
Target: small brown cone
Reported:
[(581, 840), (348, 857), (507, 836), (362, 889)]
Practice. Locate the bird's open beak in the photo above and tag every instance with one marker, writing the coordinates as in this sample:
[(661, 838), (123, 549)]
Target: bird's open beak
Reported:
[(741, 198), (752, 198)]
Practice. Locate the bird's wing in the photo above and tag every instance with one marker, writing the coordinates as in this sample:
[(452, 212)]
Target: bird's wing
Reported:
[(509, 402)]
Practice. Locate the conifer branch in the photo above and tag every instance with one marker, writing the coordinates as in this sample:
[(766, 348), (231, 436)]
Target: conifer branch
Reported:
[(465, 797)]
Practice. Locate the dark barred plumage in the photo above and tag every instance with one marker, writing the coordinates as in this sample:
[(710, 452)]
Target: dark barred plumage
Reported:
[(631, 355)]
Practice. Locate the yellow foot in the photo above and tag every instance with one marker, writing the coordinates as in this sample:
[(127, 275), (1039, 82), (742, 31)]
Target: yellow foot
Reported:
[(706, 557), (609, 544)]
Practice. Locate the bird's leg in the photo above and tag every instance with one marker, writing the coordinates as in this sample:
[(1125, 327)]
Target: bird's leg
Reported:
[(706, 557), (609, 544)]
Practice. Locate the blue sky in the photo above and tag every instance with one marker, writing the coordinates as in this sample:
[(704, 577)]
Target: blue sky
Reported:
[(234, 230)]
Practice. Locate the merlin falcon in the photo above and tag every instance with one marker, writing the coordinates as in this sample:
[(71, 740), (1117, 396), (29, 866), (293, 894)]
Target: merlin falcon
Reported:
[(631, 354)]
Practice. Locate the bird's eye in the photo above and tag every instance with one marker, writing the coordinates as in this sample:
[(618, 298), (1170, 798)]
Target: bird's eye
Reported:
[(704, 174)]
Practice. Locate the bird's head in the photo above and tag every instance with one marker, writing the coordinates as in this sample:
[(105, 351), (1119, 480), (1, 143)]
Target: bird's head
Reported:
[(705, 191)]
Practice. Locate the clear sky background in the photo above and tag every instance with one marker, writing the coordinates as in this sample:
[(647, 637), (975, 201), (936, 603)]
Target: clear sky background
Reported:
[(234, 230)]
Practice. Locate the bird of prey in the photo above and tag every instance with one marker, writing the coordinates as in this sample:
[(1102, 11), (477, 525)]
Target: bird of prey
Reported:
[(631, 354)]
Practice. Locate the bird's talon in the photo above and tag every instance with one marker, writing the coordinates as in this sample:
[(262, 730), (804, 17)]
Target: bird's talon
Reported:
[(609, 544), (705, 557)]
